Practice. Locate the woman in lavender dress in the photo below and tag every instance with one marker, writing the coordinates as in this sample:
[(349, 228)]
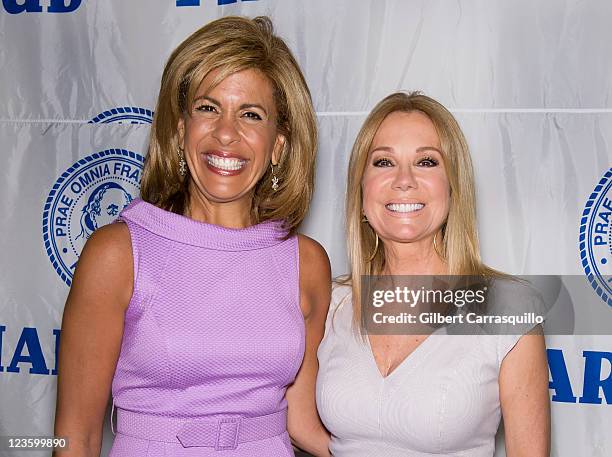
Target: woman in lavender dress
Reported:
[(203, 309)]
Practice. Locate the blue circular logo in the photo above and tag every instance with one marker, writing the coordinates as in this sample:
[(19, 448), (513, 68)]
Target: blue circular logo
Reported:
[(88, 195), (596, 238), (125, 114)]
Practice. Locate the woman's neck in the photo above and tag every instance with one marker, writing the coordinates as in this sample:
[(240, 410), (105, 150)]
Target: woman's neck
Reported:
[(418, 258), (234, 214)]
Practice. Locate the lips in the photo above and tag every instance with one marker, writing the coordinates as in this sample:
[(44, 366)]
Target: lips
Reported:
[(404, 207)]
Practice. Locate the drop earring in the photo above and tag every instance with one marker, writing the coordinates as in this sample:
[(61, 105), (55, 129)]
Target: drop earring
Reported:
[(182, 163), (369, 259), (274, 179)]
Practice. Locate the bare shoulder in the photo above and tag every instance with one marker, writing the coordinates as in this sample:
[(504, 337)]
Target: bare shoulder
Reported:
[(314, 262), (110, 247), (315, 274), (106, 264), (112, 239)]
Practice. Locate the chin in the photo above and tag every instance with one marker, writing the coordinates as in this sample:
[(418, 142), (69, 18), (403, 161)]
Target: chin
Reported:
[(224, 197), (403, 236)]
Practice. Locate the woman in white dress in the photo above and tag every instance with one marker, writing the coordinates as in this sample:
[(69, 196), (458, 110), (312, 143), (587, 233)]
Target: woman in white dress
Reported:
[(411, 211)]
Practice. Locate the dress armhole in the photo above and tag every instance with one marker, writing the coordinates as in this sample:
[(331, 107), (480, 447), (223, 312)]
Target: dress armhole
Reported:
[(135, 264), (524, 300), (505, 344)]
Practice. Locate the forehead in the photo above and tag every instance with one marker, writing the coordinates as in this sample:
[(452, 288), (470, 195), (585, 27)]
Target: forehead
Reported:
[(251, 84), (406, 128)]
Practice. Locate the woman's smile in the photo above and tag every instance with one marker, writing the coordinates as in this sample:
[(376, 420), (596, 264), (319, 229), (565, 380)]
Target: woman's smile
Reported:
[(225, 163)]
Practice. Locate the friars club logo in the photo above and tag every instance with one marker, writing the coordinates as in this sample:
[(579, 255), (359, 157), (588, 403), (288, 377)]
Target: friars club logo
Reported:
[(89, 194), (596, 238), (124, 114)]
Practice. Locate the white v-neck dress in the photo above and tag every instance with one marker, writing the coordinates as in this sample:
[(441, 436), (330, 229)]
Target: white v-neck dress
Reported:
[(442, 400)]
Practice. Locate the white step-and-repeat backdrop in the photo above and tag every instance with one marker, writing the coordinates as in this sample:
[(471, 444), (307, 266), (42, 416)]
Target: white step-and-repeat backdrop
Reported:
[(530, 82)]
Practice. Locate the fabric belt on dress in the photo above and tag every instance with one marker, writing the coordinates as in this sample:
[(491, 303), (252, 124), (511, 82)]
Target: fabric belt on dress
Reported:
[(224, 433)]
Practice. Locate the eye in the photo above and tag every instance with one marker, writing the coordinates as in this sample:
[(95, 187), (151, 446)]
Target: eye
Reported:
[(428, 162), (252, 115), (206, 108), (383, 162)]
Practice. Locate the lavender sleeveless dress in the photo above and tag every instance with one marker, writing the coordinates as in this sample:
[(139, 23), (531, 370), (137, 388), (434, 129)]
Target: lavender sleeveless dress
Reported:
[(213, 336)]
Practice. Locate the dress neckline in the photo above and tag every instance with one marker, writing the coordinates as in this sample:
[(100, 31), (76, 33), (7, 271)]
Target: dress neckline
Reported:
[(188, 231), (412, 359)]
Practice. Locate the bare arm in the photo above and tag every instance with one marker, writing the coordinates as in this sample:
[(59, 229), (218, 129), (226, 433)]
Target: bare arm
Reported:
[(92, 329), (525, 403), (303, 423)]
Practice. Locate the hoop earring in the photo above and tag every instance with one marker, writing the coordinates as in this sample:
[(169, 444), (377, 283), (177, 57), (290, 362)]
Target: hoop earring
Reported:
[(274, 178), (435, 246), (369, 259), (182, 163)]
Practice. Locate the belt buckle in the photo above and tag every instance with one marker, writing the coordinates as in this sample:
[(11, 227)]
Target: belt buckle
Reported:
[(228, 430)]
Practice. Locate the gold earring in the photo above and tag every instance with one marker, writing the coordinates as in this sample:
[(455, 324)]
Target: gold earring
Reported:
[(369, 259), (435, 246)]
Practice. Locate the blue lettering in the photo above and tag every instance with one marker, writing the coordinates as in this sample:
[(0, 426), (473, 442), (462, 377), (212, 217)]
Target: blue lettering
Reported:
[(63, 210), (560, 382), (601, 228), (66, 201), (29, 6), (85, 179), (95, 173), (56, 332), (29, 338), (125, 170), (2, 329), (592, 378), (58, 6), (135, 175)]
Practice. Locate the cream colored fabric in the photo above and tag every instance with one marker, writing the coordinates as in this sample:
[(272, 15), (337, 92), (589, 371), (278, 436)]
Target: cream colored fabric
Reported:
[(442, 400)]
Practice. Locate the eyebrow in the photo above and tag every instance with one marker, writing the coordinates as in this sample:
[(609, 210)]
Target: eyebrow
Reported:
[(243, 106), (420, 149)]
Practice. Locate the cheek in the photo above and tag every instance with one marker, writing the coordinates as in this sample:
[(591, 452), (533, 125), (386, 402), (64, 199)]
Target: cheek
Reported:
[(368, 190), (195, 130), (260, 140), (437, 184), (440, 191)]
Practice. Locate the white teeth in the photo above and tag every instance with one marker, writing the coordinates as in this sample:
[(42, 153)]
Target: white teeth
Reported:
[(225, 163), (404, 207)]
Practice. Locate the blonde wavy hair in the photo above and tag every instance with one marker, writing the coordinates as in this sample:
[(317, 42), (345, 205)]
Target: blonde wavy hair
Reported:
[(459, 245), (229, 45)]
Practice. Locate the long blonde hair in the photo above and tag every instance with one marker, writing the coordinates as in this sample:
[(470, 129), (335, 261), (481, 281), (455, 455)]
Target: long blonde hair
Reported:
[(229, 45), (459, 242)]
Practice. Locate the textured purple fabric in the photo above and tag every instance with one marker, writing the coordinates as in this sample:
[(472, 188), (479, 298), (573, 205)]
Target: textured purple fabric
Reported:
[(213, 330)]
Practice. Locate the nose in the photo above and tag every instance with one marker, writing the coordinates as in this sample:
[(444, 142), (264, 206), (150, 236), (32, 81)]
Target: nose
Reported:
[(404, 178), (225, 131)]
